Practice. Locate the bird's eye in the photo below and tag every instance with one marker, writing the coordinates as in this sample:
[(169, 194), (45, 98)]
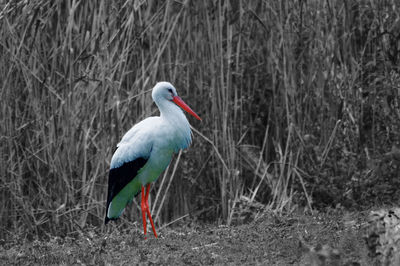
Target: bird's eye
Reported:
[(170, 91)]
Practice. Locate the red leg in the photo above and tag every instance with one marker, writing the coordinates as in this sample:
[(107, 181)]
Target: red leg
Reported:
[(143, 207), (148, 210), (145, 210)]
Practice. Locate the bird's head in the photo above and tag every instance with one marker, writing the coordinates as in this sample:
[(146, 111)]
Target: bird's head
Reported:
[(165, 91)]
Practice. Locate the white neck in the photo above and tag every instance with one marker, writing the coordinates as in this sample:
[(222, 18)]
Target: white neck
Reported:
[(170, 112)]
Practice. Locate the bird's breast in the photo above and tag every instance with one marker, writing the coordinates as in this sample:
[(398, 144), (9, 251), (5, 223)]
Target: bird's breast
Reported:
[(157, 163), (173, 139)]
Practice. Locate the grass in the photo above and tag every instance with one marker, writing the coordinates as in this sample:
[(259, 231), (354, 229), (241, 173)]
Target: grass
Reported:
[(297, 99), (333, 239)]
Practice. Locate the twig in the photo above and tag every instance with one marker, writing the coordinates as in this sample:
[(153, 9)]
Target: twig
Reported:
[(212, 144), (169, 184), (205, 246)]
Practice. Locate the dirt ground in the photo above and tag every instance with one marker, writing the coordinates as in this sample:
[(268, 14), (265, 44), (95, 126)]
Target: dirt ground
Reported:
[(333, 239)]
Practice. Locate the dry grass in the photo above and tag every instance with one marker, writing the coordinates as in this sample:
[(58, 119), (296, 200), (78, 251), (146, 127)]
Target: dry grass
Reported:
[(271, 80)]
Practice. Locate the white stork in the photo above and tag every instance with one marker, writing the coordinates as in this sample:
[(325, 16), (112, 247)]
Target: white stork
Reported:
[(145, 151)]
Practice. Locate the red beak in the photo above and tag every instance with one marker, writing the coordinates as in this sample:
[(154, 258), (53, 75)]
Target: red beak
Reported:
[(184, 106)]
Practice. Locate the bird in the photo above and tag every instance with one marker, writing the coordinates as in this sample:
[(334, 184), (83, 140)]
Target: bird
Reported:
[(145, 151)]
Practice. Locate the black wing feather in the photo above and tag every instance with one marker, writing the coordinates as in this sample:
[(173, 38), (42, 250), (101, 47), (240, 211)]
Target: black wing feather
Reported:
[(119, 177)]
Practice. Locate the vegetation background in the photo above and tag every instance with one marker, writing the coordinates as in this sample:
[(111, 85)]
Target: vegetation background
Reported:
[(299, 101)]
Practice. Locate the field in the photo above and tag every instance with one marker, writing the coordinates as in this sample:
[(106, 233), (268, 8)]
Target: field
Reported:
[(301, 119), (270, 240)]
